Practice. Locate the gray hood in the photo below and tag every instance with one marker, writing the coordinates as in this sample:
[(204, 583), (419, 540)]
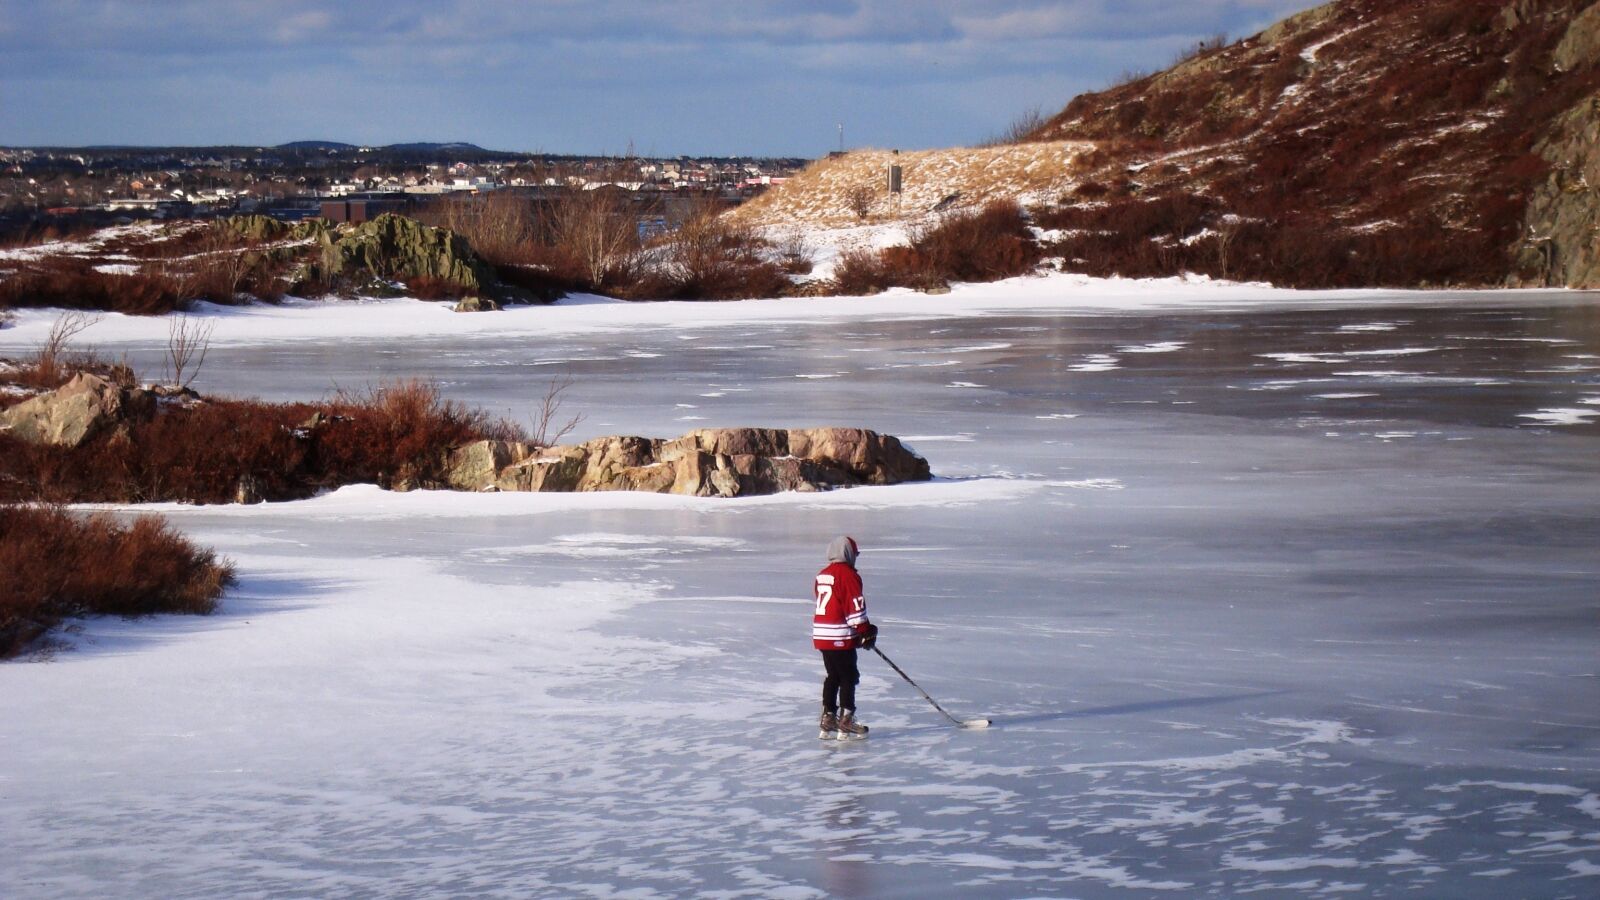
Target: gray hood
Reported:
[(843, 549)]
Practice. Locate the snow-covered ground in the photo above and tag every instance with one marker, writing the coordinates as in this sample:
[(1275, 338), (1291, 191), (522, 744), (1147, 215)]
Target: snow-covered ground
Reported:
[(1264, 591)]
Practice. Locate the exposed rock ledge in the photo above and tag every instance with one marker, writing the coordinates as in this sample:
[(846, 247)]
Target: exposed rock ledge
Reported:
[(710, 462)]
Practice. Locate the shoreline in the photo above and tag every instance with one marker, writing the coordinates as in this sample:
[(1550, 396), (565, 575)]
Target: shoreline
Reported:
[(262, 324)]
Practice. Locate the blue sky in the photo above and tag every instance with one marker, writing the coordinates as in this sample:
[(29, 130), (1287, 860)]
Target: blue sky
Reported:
[(753, 77)]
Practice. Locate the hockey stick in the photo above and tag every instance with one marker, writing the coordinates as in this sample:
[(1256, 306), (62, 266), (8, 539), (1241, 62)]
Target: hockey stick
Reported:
[(959, 723)]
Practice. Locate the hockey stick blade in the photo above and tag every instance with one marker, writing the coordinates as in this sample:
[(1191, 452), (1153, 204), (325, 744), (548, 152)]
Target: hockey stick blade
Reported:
[(969, 723)]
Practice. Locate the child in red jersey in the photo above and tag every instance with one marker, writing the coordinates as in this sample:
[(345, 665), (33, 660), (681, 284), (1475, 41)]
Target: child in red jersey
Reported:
[(838, 627)]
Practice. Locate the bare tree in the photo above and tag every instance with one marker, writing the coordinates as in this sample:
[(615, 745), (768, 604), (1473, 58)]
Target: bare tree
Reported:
[(499, 226), (1225, 234), (596, 227), (549, 413), (188, 341)]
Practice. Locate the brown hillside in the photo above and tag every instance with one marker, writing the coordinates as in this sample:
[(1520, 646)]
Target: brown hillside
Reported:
[(1360, 142), (1363, 142)]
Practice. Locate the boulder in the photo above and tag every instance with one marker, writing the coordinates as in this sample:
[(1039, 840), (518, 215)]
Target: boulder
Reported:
[(395, 247), (868, 456), (76, 411), (552, 469), (477, 466), (710, 462), (475, 303)]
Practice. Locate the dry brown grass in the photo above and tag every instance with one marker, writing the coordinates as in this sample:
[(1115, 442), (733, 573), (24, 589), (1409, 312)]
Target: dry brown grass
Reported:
[(59, 565), (830, 193)]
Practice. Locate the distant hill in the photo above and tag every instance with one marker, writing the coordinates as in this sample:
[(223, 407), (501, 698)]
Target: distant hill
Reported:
[(448, 147), (414, 148), (1362, 142), (317, 145)]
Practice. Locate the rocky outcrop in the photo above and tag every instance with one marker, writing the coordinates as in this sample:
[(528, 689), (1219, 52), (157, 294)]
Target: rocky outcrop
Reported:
[(1561, 238), (1561, 244), (1580, 46), (393, 247), (263, 229), (475, 303), (76, 411), (712, 462)]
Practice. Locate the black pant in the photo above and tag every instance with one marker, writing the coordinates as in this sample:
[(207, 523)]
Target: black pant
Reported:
[(839, 688)]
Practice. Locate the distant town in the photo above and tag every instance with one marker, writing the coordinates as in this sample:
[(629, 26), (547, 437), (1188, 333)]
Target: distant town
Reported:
[(43, 188)]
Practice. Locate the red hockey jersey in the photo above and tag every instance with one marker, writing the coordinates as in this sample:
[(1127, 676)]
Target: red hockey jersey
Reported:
[(841, 608)]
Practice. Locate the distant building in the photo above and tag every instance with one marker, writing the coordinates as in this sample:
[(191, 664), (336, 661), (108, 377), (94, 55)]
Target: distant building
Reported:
[(352, 210)]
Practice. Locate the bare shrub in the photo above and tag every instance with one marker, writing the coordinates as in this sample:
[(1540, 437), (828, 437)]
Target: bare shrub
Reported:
[(188, 342), (60, 565), (1025, 127), (710, 258), (984, 245), (49, 363), (216, 266), (860, 272), (860, 199), (73, 284), (396, 435), (794, 252), (545, 431)]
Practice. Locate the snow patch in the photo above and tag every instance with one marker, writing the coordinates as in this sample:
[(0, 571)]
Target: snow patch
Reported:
[(1562, 416), (1090, 484), (1098, 362)]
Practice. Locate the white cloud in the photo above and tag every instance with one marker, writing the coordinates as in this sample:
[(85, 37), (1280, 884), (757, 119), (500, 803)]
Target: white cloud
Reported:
[(568, 75)]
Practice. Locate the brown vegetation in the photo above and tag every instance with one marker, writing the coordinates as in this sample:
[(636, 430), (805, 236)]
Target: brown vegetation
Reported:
[(1404, 155), (983, 245), (171, 270), (711, 257), (220, 451), (59, 565)]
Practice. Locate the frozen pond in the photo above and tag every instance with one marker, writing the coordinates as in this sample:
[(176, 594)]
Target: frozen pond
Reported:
[(1269, 599)]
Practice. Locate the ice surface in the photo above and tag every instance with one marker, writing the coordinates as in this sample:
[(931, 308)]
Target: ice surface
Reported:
[(1232, 640)]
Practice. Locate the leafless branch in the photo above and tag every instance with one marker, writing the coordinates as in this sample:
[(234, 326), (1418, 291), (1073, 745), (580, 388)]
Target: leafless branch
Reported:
[(549, 413), (188, 342), (47, 361)]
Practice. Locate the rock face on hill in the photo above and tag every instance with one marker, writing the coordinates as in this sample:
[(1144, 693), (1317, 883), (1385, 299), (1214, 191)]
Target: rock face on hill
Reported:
[(717, 462), (1561, 246)]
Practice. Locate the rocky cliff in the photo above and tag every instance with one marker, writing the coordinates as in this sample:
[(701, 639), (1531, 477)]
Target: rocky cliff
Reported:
[(1561, 240)]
